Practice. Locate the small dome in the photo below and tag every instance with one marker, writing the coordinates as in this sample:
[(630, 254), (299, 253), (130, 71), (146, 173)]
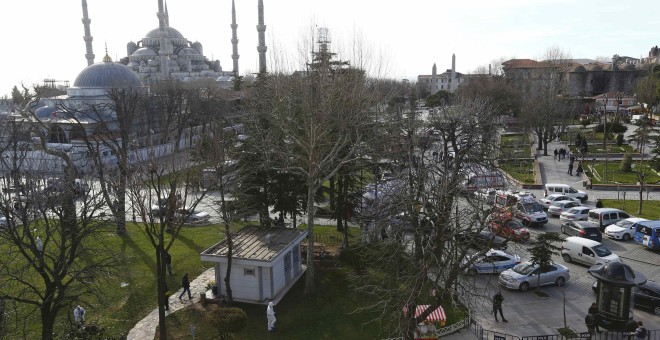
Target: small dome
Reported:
[(145, 51), (628, 67), (45, 112), (131, 44), (579, 68), (595, 68), (171, 32), (107, 75)]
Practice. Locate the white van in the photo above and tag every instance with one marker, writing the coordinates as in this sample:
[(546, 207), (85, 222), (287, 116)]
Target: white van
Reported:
[(636, 119), (586, 251), (606, 216), (565, 189)]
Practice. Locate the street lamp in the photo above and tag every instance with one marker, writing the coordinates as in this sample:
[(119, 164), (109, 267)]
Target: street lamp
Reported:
[(605, 99)]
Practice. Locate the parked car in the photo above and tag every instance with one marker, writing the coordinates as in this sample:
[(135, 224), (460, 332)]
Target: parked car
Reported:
[(586, 251), (579, 213), (523, 205), (607, 216), (547, 201), (486, 194), (624, 229), (560, 206), (526, 275), (647, 295), (494, 261), (648, 234), (511, 229), (481, 240), (193, 216), (584, 229), (565, 189)]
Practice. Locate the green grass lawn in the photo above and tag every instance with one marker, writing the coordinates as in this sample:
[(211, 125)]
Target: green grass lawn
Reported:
[(611, 148), (522, 170), (650, 209), (614, 175)]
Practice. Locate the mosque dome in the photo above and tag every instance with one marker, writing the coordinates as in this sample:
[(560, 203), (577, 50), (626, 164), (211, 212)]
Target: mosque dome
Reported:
[(595, 68), (45, 112), (107, 74), (171, 33), (579, 68)]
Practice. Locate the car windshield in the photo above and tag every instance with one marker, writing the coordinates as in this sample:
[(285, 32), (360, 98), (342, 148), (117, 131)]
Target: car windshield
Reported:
[(524, 268), (573, 211), (514, 224), (601, 251), (532, 207), (624, 224)]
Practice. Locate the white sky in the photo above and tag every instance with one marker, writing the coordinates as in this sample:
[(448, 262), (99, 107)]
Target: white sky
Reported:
[(43, 38)]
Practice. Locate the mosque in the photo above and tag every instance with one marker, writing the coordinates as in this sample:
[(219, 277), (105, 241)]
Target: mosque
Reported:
[(164, 54)]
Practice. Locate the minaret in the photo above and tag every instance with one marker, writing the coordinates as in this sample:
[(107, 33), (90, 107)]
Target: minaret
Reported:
[(434, 79), (234, 38), (88, 36), (261, 28), (164, 52), (167, 15), (453, 64)]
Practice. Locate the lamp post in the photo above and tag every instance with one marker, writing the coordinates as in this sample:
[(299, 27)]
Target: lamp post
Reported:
[(605, 99)]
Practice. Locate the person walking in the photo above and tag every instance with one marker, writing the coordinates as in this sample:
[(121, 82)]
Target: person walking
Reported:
[(79, 315), (579, 169), (497, 305), (166, 296), (570, 168), (168, 262), (590, 322), (640, 332), (556, 153), (270, 315), (185, 283), (593, 310)]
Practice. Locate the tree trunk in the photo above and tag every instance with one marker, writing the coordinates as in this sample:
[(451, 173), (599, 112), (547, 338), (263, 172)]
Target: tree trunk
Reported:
[(47, 321), (309, 276), (339, 205), (121, 199), (160, 275), (641, 191), (230, 248), (332, 190)]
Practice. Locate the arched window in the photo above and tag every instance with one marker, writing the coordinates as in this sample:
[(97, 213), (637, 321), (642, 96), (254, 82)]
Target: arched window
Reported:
[(56, 135)]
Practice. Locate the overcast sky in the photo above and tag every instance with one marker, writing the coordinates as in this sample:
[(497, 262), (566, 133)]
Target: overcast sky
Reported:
[(43, 38)]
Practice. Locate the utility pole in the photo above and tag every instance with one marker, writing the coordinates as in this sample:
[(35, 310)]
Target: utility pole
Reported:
[(605, 135)]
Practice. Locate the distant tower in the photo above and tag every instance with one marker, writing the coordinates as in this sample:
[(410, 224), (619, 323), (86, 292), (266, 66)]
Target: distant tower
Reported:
[(434, 79), (261, 28), (234, 38), (164, 52), (453, 64), (88, 36)]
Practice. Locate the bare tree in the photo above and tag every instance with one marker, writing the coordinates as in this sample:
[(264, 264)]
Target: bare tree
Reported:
[(310, 124)]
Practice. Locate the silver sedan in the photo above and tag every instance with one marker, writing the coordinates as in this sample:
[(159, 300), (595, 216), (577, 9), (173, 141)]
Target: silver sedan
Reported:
[(526, 275)]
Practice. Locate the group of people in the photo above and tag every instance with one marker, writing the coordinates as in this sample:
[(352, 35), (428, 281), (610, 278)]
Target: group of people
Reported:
[(592, 320), (560, 154), (579, 169)]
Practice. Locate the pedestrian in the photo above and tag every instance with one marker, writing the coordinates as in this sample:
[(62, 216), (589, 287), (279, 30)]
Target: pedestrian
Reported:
[(497, 305), (593, 310), (599, 203), (556, 153), (572, 158), (185, 283), (579, 169), (168, 262), (79, 315), (270, 315), (166, 296), (39, 244), (570, 169), (280, 220), (590, 322), (640, 332)]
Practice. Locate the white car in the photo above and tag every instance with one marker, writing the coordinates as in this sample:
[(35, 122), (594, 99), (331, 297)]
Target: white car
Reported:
[(624, 229), (193, 217), (575, 214), (547, 201), (494, 261), (560, 206), (525, 275)]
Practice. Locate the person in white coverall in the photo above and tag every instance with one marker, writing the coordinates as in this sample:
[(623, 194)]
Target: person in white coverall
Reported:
[(270, 314)]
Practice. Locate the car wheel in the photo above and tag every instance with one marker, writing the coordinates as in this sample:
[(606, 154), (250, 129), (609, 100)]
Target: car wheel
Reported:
[(472, 271), (656, 311), (567, 258), (562, 230), (560, 281), (626, 237), (524, 287)]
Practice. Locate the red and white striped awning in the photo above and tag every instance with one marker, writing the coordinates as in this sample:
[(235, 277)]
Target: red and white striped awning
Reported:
[(437, 315)]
